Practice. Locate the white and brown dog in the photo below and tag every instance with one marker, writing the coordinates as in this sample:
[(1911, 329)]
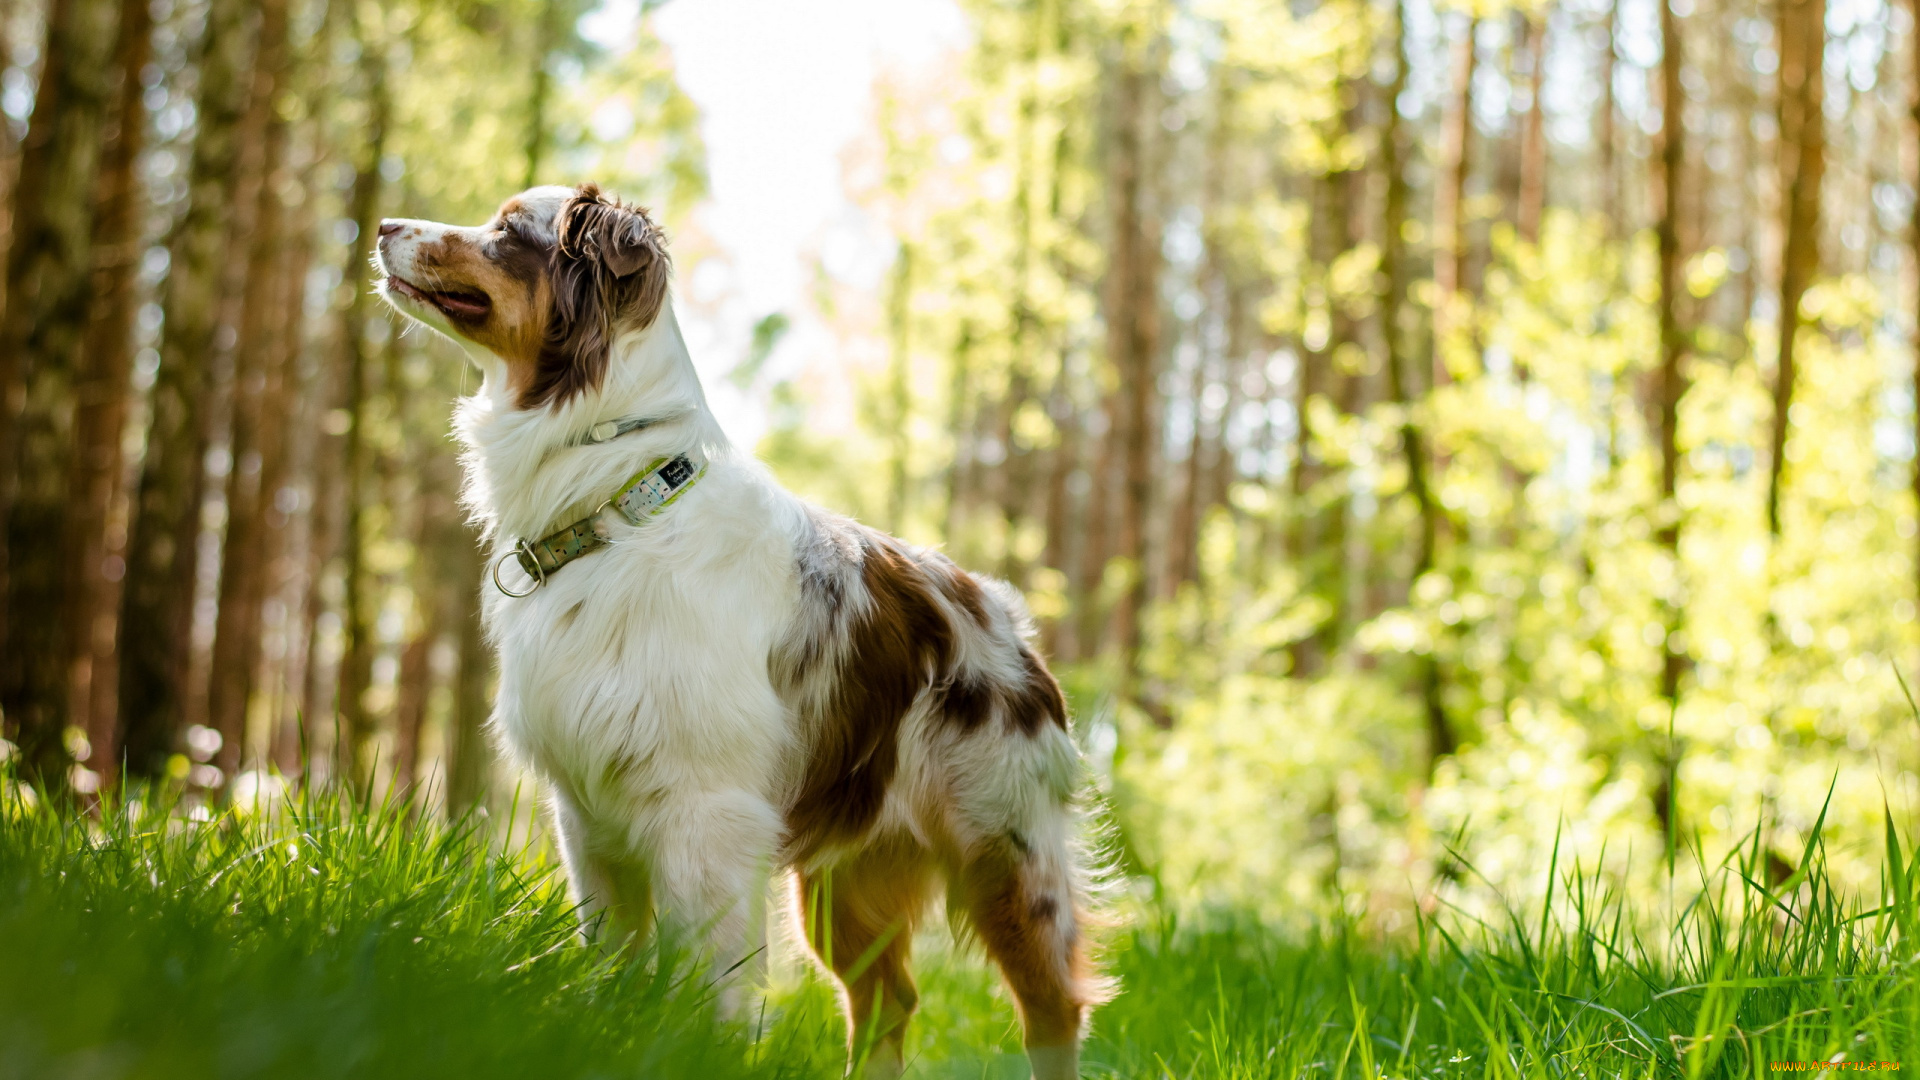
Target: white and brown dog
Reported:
[(722, 682)]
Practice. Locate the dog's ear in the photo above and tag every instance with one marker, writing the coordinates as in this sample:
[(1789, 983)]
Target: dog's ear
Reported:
[(609, 273), (619, 240)]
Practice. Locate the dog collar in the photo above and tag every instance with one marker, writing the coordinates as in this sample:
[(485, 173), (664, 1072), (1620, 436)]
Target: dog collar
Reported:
[(651, 490), (608, 430)]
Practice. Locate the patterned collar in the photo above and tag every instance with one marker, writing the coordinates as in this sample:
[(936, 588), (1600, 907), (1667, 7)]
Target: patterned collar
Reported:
[(650, 491)]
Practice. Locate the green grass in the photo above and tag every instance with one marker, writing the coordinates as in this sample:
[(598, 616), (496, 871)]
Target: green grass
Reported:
[(342, 941)]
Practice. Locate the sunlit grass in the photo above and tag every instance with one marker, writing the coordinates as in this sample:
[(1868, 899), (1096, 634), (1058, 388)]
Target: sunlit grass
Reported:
[(334, 939)]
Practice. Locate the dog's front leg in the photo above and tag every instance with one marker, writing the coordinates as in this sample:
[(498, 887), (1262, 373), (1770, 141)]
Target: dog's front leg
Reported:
[(713, 852), (612, 891)]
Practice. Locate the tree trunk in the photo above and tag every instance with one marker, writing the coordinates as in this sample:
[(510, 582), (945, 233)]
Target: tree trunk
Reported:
[(1450, 196), (101, 394), (433, 514), (547, 35), (1059, 636), (255, 432), (1441, 740), (1669, 387), (157, 609), (468, 756), (1533, 140), (1017, 487), (1133, 341), (283, 447), (1802, 36), (1609, 135), (1183, 529), (1094, 537), (48, 274), (960, 469), (353, 759), (899, 386)]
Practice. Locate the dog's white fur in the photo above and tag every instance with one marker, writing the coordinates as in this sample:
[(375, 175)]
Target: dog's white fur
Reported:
[(642, 680)]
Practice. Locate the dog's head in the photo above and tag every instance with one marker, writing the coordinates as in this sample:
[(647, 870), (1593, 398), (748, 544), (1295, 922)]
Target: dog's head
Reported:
[(545, 286)]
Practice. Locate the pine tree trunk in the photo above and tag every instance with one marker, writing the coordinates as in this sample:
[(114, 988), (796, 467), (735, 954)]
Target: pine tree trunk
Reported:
[(1450, 196), (101, 395), (1803, 40), (899, 386), (353, 758), (253, 431), (1670, 385), (1059, 637), (1609, 110), (48, 277), (1182, 530), (960, 469), (1133, 317), (468, 756), (1094, 536), (414, 685), (283, 446), (1018, 474), (157, 609), (1183, 534), (1533, 141), (1441, 740), (547, 33)]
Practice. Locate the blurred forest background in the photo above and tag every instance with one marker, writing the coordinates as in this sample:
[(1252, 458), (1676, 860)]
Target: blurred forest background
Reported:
[(1430, 432)]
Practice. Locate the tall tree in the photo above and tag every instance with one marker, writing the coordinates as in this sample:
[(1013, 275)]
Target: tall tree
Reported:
[(47, 276), (1450, 196), (1802, 33), (297, 398), (1133, 322), (1670, 384), (255, 431), (546, 38), (1018, 473), (1392, 283), (467, 753), (353, 754), (1609, 111), (899, 386), (101, 393), (1533, 136), (157, 607)]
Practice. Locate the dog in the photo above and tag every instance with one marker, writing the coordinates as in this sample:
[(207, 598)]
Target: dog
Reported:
[(719, 682)]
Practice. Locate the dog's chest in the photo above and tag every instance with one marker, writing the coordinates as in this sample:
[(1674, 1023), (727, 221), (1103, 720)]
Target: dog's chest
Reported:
[(640, 670)]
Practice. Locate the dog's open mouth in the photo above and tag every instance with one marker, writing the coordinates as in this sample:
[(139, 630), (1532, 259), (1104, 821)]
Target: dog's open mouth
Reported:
[(459, 305)]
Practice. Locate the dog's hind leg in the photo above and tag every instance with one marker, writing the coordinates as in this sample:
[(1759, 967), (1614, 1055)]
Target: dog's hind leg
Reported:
[(859, 918), (1022, 900)]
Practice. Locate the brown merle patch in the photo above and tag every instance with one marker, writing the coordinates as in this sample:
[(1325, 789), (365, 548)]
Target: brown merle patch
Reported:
[(894, 649)]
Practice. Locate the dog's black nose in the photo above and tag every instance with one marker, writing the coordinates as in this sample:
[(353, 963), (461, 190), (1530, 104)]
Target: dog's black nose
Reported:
[(389, 227)]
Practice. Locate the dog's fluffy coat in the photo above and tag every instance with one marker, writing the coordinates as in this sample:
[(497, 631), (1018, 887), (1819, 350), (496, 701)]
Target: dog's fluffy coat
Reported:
[(744, 684)]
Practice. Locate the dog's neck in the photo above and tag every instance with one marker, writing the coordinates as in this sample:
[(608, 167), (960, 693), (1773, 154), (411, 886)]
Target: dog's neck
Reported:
[(529, 471)]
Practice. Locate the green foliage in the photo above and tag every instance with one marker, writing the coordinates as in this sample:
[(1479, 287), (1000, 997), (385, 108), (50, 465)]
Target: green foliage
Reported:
[(331, 939), (327, 938)]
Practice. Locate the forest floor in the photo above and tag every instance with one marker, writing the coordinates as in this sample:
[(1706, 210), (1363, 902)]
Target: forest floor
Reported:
[(329, 940)]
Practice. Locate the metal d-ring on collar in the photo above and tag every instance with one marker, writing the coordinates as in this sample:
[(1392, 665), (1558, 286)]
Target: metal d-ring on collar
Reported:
[(647, 493), (523, 551)]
